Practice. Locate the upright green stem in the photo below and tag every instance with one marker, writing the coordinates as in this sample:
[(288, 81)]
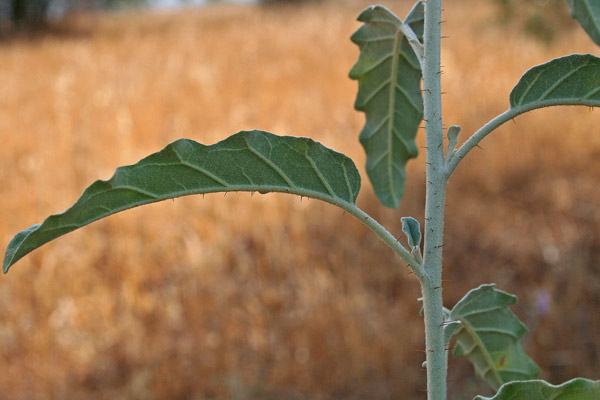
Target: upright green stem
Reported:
[(434, 205)]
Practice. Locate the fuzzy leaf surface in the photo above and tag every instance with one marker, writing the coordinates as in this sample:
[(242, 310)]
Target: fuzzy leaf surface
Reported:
[(569, 80), (247, 161), (575, 389), (389, 93), (587, 13), (412, 230), (489, 336)]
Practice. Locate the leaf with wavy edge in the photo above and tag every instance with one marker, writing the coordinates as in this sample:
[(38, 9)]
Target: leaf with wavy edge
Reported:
[(575, 389), (489, 336), (247, 161), (587, 13), (389, 92), (569, 80)]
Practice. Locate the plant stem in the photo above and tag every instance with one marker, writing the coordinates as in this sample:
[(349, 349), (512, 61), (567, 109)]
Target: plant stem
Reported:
[(434, 205), (499, 120), (387, 237)]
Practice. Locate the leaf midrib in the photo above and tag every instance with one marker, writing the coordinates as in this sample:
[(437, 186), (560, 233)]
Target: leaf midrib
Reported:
[(478, 343), (391, 108)]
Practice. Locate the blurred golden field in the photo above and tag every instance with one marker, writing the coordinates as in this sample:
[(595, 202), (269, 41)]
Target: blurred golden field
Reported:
[(271, 297)]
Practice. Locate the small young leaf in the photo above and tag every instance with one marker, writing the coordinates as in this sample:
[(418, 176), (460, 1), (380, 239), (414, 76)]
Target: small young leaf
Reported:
[(570, 80), (389, 92), (412, 230), (453, 133), (489, 336), (575, 389), (587, 13), (252, 161)]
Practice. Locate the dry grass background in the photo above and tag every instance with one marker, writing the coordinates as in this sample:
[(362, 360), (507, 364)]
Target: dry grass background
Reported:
[(268, 296)]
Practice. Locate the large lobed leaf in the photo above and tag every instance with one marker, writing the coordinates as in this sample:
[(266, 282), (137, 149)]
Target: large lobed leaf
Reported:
[(489, 336), (575, 389), (389, 92), (570, 80), (587, 13), (247, 161)]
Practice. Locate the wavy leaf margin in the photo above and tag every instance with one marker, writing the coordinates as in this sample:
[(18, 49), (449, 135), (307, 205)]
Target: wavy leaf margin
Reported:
[(253, 161), (489, 336), (389, 93)]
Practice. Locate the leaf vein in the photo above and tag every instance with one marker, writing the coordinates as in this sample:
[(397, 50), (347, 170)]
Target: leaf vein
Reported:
[(270, 164), (561, 80)]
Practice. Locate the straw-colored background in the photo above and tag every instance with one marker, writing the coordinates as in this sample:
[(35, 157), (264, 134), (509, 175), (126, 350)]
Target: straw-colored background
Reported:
[(269, 296)]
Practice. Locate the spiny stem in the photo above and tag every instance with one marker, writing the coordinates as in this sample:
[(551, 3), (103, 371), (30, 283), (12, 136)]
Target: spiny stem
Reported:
[(434, 205)]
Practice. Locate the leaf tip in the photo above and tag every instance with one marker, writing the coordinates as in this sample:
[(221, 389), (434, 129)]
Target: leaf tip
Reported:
[(11, 256)]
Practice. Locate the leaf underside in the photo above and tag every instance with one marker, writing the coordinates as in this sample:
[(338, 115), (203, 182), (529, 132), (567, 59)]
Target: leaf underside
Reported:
[(389, 92), (569, 80), (247, 161), (587, 13), (489, 337), (575, 389), (412, 230)]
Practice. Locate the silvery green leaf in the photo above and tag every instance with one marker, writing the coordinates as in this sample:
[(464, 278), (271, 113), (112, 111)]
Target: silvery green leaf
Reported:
[(389, 92), (247, 161), (412, 230), (587, 13), (489, 336), (569, 80)]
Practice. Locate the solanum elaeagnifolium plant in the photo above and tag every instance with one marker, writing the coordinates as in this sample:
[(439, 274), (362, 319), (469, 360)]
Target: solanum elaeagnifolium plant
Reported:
[(399, 87)]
